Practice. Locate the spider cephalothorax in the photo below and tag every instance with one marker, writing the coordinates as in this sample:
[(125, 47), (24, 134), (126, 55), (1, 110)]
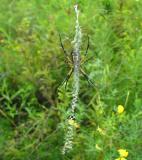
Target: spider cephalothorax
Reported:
[(70, 62)]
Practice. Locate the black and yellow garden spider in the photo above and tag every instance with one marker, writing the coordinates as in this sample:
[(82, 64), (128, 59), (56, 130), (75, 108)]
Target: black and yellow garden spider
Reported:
[(69, 61)]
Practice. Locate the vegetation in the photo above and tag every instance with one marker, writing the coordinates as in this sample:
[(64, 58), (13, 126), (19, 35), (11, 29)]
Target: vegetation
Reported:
[(33, 104)]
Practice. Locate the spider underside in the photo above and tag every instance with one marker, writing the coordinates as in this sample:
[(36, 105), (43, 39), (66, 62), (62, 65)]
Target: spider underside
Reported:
[(70, 63)]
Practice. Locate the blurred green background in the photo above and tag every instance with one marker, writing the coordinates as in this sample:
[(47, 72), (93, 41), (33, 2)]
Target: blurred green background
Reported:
[(33, 108)]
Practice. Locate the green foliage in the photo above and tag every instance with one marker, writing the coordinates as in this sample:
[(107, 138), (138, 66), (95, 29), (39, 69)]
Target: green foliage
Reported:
[(33, 110)]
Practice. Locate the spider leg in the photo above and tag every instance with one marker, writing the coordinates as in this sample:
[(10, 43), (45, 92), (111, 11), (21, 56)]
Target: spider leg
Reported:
[(67, 77), (84, 61), (62, 45), (87, 47), (65, 52), (87, 78)]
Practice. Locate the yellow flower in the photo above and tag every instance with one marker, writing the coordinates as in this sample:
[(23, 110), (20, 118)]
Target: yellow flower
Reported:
[(73, 123), (123, 153), (98, 147), (120, 109), (121, 158), (101, 131)]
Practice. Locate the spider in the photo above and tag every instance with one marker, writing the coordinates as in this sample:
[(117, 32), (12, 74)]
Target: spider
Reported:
[(69, 61)]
